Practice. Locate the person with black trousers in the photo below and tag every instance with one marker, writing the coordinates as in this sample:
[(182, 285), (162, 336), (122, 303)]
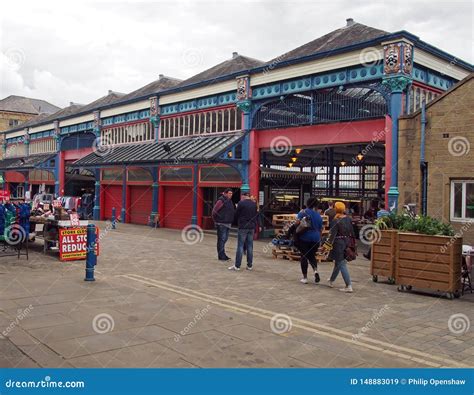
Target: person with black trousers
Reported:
[(223, 216), (246, 215), (308, 242)]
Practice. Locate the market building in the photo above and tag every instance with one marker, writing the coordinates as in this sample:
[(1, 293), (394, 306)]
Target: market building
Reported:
[(437, 156), (320, 119)]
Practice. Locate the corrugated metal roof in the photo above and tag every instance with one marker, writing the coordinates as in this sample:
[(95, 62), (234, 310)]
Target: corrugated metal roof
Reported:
[(25, 163), (184, 150)]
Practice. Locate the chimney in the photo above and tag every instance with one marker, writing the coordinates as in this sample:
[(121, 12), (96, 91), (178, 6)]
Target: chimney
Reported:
[(110, 91), (349, 22), (234, 55), (160, 76)]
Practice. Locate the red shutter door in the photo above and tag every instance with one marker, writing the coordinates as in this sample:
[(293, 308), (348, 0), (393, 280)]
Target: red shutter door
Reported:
[(140, 204), (112, 198), (178, 207)]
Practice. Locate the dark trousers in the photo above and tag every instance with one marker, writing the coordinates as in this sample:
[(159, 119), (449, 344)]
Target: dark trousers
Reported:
[(308, 255), (245, 238), (222, 237)]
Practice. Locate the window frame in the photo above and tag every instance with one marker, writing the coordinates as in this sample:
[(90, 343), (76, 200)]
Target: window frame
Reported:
[(463, 217)]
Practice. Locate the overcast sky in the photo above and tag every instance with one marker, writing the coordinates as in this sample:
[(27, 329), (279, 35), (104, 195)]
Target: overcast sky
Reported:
[(78, 50)]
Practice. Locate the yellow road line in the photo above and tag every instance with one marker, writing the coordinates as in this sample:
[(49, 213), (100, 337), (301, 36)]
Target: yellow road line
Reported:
[(324, 330)]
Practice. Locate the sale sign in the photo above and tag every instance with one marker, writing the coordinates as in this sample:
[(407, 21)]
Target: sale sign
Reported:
[(73, 244), (5, 196)]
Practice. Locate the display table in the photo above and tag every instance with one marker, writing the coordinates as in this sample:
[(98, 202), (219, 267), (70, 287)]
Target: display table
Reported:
[(52, 235)]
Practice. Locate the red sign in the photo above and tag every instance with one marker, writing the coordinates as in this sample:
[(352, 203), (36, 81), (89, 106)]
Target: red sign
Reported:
[(5, 196), (73, 242)]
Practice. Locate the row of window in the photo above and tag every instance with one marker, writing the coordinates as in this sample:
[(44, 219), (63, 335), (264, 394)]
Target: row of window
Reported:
[(206, 174), (40, 146), (419, 95), (139, 132), (462, 200), (217, 121)]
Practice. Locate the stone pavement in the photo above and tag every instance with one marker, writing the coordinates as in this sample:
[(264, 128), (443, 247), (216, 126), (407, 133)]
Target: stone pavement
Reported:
[(161, 302)]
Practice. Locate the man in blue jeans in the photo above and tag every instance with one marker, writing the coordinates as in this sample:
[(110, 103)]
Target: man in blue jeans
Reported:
[(246, 215), (223, 216)]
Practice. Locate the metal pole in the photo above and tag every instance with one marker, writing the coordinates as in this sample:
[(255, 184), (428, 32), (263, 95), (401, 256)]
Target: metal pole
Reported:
[(91, 257), (114, 217)]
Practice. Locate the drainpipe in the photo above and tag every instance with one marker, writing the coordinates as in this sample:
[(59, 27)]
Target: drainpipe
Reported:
[(423, 163)]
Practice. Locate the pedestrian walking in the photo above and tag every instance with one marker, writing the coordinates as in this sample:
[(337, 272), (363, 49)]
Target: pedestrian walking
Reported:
[(308, 240), (246, 215), (380, 213), (223, 216), (341, 237), (330, 212)]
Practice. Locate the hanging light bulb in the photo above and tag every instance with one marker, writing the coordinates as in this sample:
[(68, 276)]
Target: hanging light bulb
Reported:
[(293, 159), (343, 162), (298, 150), (360, 156), (290, 164)]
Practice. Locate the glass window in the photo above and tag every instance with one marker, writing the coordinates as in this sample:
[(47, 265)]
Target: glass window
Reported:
[(176, 174), (219, 174), (462, 200), (112, 174), (139, 175)]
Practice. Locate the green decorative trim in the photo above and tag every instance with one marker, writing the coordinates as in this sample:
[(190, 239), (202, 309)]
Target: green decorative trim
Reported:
[(397, 84), (393, 191), (245, 105), (155, 121)]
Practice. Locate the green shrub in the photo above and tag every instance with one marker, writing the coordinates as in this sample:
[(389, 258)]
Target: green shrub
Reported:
[(420, 224)]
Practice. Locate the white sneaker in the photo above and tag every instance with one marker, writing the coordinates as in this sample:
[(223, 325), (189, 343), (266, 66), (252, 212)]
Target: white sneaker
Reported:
[(304, 281), (234, 268), (346, 289), (330, 283), (249, 268)]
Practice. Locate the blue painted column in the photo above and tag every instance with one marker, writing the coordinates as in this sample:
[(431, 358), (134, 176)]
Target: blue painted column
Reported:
[(124, 195), (246, 107), (154, 196), (194, 218), (397, 85), (96, 210)]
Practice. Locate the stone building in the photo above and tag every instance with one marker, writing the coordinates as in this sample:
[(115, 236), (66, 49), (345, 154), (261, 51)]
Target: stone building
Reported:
[(448, 160)]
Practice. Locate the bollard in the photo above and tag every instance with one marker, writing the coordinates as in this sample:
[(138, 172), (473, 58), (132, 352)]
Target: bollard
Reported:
[(114, 218), (91, 257)]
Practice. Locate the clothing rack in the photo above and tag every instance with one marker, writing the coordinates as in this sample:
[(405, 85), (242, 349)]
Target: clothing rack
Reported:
[(14, 229)]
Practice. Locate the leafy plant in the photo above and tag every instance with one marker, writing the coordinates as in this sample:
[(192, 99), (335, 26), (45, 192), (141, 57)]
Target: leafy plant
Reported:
[(420, 224)]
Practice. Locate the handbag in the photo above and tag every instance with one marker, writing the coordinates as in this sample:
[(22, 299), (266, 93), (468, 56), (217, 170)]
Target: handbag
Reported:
[(350, 252), (304, 225)]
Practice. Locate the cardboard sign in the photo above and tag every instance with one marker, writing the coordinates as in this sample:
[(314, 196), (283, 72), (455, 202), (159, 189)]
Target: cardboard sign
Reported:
[(5, 196), (74, 219), (73, 244)]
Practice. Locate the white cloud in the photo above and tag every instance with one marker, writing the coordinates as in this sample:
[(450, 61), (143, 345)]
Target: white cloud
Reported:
[(76, 51)]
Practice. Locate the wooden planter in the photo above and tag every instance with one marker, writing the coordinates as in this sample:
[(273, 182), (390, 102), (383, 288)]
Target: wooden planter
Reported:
[(383, 256), (429, 262)]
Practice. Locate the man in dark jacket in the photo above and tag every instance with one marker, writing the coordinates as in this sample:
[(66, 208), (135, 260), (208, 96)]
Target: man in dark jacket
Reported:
[(246, 215), (223, 216)]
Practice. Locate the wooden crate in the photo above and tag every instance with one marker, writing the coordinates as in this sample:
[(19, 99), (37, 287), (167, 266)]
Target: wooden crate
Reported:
[(429, 262), (383, 257)]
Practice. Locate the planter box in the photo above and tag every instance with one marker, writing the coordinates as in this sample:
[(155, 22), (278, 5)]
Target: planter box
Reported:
[(383, 256), (429, 262)]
